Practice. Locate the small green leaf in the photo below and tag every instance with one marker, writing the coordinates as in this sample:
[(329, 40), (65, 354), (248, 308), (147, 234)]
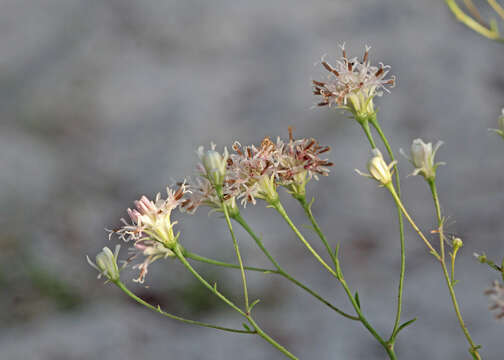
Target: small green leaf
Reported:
[(246, 327), (254, 303), (405, 324), (357, 299)]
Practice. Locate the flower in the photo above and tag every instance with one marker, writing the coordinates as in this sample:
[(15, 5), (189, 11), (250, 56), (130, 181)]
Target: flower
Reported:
[(496, 297), (500, 130), (422, 158), (151, 228), (352, 84), (378, 168), (152, 250), (299, 161), (106, 263), (254, 172), (213, 166)]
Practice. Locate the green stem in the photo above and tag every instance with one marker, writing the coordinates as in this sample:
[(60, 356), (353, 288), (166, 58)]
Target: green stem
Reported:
[(128, 292), (399, 203), (471, 23), (280, 209), (238, 256), (388, 347), (376, 125), (473, 350), (338, 275), (307, 208), (239, 219), (367, 131), (246, 315), (203, 259)]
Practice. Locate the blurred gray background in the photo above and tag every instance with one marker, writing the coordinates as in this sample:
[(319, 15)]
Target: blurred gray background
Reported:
[(103, 101)]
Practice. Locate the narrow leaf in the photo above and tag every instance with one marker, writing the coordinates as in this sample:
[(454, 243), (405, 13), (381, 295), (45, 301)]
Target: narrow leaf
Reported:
[(357, 299)]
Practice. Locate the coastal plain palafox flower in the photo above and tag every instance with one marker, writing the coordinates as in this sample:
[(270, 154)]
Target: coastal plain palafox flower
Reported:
[(151, 228), (254, 172), (378, 168), (352, 84), (422, 158)]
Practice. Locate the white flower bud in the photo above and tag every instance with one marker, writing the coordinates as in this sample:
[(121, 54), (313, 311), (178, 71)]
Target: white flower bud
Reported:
[(214, 164), (422, 158), (106, 263), (378, 168)]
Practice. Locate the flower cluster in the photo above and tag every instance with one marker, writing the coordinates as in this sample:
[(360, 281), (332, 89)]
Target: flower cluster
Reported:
[(151, 229), (352, 84), (496, 297), (253, 172)]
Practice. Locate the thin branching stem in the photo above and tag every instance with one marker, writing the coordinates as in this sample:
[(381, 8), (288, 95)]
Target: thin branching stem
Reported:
[(402, 272), (473, 350), (280, 270), (246, 315), (157, 309)]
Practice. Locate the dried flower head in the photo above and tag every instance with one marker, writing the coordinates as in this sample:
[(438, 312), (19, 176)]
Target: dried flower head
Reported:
[(254, 172), (496, 297), (422, 158), (106, 263), (299, 161), (151, 228), (249, 170), (352, 84), (378, 168)]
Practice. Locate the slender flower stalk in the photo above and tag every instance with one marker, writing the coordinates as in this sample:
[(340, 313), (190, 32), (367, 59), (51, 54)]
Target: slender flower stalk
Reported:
[(337, 273), (280, 209), (157, 309), (239, 219), (246, 315), (237, 250), (402, 271), (473, 350), (490, 32)]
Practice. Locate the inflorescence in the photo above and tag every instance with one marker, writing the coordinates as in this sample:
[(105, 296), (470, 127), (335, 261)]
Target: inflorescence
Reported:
[(248, 173)]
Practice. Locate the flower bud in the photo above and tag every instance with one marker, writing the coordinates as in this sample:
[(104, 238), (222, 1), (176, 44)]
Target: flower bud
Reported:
[(267, 188), (378, 168), (214, 164), (422, 158), (457, 243), (482, 258), (500, 130), (106, 263)]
